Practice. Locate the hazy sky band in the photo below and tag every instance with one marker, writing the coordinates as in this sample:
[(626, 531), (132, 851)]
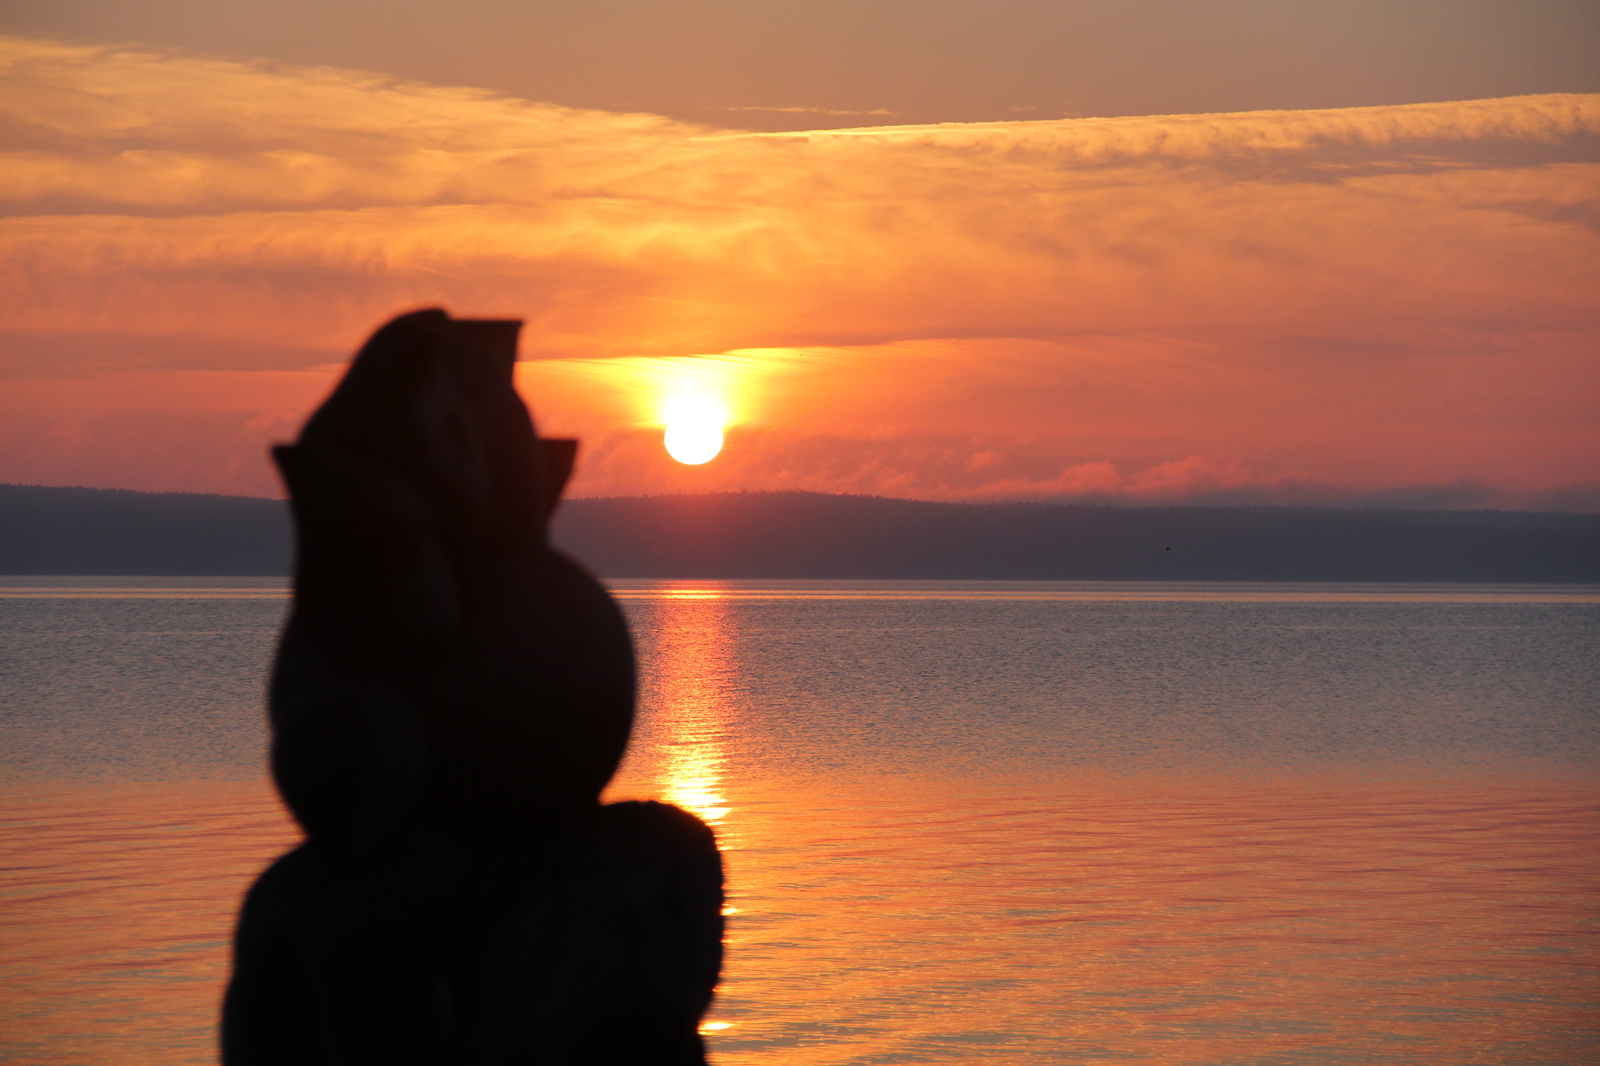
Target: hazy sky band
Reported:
[(805, 64)]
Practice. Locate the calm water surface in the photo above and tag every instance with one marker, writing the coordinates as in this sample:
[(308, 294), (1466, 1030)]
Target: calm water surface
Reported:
[(964, 822)]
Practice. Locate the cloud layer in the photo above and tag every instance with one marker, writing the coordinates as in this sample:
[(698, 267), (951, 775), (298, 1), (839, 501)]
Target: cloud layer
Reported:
[(1333, 305)]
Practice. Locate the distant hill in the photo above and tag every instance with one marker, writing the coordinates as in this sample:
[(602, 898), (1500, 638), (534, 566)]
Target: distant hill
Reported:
[(811, 535), (116, 531)]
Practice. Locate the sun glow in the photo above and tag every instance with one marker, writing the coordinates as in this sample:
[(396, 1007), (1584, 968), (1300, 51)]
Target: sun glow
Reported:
[(694, 428)]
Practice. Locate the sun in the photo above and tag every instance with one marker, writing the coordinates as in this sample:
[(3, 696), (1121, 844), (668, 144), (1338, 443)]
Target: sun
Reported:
[(694, 429), (693, 442)]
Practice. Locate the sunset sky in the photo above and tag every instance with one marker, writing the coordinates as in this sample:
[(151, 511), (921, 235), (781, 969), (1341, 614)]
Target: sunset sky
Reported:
[(1250, 252)]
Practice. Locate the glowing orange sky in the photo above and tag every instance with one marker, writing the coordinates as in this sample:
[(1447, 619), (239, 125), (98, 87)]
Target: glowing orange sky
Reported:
[(1372, 304)]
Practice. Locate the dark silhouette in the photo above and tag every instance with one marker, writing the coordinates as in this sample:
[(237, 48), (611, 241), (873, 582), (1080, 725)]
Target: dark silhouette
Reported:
[(449, 698), (803, 534)]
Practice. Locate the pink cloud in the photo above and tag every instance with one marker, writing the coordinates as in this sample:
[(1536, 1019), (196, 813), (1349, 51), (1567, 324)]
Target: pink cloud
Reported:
[(1318, 304)]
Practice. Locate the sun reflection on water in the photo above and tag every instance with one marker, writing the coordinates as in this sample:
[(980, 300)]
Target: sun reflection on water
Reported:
[(691, 675), (692, 782)]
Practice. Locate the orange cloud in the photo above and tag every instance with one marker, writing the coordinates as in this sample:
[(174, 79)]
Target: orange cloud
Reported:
[(1328, 304)]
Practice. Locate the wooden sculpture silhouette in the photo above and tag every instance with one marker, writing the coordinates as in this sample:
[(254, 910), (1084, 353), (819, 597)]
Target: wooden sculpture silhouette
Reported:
[(450, 696)]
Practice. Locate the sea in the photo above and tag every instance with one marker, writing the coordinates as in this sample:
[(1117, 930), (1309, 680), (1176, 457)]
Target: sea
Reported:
[(964, 822)]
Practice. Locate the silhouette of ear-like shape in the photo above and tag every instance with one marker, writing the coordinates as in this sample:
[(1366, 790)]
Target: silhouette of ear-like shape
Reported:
[(559, 458), (441, 661), (449, 698)]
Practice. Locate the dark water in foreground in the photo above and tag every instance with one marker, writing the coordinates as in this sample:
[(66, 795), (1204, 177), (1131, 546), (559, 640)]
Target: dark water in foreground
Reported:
[(964, 822)]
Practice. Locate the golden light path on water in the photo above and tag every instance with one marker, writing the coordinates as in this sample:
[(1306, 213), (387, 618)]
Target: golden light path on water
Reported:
[(694, 669), (693, 681)]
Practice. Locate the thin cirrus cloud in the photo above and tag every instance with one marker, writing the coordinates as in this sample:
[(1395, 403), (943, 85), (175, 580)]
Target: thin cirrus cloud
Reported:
[(883, 111), (1370, 305)]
